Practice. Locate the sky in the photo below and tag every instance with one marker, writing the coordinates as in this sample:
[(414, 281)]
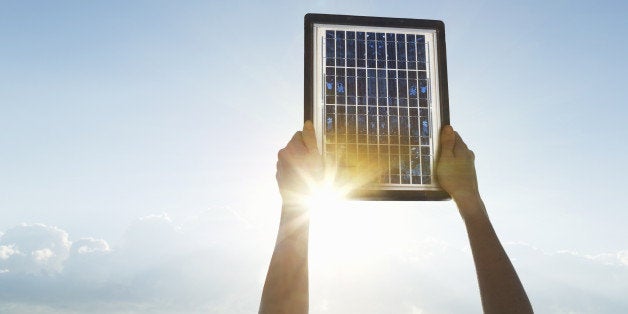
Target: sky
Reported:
[(138, 144)]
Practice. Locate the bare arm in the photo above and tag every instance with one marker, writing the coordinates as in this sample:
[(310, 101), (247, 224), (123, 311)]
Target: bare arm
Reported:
[(500, 287), (286, 286)]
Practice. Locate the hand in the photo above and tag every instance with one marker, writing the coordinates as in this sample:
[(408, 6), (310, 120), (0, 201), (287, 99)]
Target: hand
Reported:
[(299, 166), (456, 169)]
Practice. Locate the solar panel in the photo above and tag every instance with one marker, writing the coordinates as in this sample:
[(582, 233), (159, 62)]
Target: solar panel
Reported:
[(376, 91)]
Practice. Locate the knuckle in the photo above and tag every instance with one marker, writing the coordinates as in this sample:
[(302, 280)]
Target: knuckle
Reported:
[(282, 153)]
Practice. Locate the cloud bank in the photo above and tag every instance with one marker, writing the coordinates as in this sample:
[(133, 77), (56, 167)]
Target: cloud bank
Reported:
[(155, 268), (210, 265)]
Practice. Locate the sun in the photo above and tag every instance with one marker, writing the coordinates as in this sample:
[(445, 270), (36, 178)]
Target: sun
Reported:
[(323, 196), (343, 231)]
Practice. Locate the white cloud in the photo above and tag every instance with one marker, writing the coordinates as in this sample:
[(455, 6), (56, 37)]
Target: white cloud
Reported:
[(567, 281), (6, 251), (43, 255), (619, 258), (34, 249), (156, 267), (434, 276), (89, 246), (622, 256)]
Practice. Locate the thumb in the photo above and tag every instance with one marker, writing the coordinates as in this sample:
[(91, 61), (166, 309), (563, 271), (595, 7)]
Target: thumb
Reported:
[(447, 141), (309, 137)]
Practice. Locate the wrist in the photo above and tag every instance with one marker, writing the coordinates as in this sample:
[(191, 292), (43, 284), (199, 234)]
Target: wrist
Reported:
[(295, 232), (471, 207), (294, 221), (293, 211), (466, 197)]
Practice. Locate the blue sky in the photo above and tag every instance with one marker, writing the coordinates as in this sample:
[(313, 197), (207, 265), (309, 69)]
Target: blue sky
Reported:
[(150, 128)]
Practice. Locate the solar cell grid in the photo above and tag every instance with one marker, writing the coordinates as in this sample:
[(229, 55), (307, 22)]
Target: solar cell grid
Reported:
[(377, 92)]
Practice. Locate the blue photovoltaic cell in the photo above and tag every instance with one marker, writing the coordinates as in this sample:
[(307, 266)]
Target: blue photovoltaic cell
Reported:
[(376, 103)]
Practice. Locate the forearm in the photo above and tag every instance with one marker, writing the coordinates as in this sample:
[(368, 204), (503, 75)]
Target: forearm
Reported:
[(500, 287), (286, 286)]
